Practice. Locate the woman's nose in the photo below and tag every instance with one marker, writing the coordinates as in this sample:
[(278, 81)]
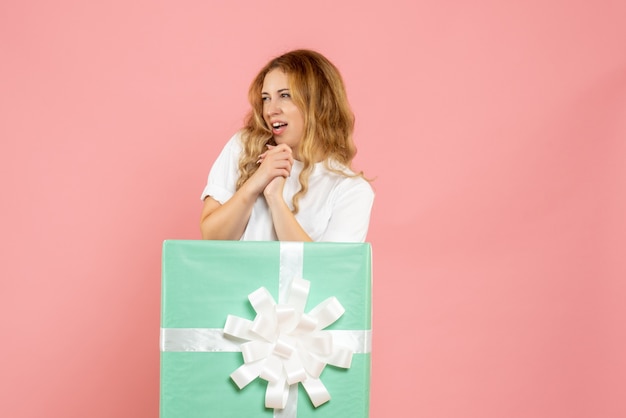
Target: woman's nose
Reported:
[(272, 108)]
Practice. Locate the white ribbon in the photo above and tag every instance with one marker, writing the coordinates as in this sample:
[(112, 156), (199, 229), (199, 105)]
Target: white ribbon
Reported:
[(282, 345), (212, 340)]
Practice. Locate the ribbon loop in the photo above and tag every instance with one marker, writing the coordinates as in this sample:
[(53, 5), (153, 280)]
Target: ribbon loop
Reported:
[(273, 370), (306, 325), (298, 294), (238, 327), (261, 300), (246, 373), (287, 317), (294, 369), (317, 391), (282, 348), (277, 394), (327, 312), (255, 350), (265, 326), (320, 343)]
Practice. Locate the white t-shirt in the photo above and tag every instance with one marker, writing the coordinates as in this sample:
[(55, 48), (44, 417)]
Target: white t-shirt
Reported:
[(335, 208)]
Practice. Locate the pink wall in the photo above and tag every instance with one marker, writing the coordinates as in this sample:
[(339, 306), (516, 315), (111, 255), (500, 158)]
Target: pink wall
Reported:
[(496, 131)]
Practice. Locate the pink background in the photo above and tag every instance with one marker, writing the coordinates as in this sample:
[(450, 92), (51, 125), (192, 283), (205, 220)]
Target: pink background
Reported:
[(497, 134)]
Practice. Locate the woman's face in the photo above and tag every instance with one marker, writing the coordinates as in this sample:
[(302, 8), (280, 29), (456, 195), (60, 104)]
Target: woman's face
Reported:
[(280, 112)]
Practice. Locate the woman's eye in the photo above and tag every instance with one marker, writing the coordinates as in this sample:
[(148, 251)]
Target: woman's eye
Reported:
[(264, 99), (285, 95)]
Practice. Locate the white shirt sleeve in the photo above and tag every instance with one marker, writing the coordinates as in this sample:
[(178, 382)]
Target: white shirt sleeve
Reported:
[(351, 209), (222, 180)]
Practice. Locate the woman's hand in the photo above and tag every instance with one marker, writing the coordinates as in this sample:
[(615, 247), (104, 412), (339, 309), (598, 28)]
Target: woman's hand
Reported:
[(228, 221), (275, 167), (276, 163), (274, 190)]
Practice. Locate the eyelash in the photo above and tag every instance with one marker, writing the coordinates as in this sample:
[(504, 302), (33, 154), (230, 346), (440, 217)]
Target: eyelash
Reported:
[(282, 95)]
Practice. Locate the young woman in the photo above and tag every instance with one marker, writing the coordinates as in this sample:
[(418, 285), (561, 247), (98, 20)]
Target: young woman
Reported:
[(287, 174)]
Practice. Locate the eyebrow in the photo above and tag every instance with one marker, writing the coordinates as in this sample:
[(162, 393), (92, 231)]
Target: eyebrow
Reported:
[(279, 91)]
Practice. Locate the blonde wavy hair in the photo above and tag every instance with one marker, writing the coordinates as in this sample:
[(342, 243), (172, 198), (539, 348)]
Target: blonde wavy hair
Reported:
[(318, 90)]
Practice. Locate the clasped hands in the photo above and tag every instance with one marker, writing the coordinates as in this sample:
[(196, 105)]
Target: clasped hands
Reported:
[(274, 167)]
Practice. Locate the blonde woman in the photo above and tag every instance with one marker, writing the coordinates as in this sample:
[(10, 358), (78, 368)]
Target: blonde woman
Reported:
[(287, 174)]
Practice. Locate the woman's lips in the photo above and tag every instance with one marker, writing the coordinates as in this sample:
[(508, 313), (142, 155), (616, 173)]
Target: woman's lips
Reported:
[(278, 128)]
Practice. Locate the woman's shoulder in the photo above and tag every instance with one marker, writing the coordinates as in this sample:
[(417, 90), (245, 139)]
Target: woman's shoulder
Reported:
[(234, 145), (345, 176), (237, 139), (341, 169)]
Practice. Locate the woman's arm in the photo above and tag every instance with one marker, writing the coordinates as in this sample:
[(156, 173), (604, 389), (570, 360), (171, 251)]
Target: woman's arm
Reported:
[(227, 221), (285, 223)]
